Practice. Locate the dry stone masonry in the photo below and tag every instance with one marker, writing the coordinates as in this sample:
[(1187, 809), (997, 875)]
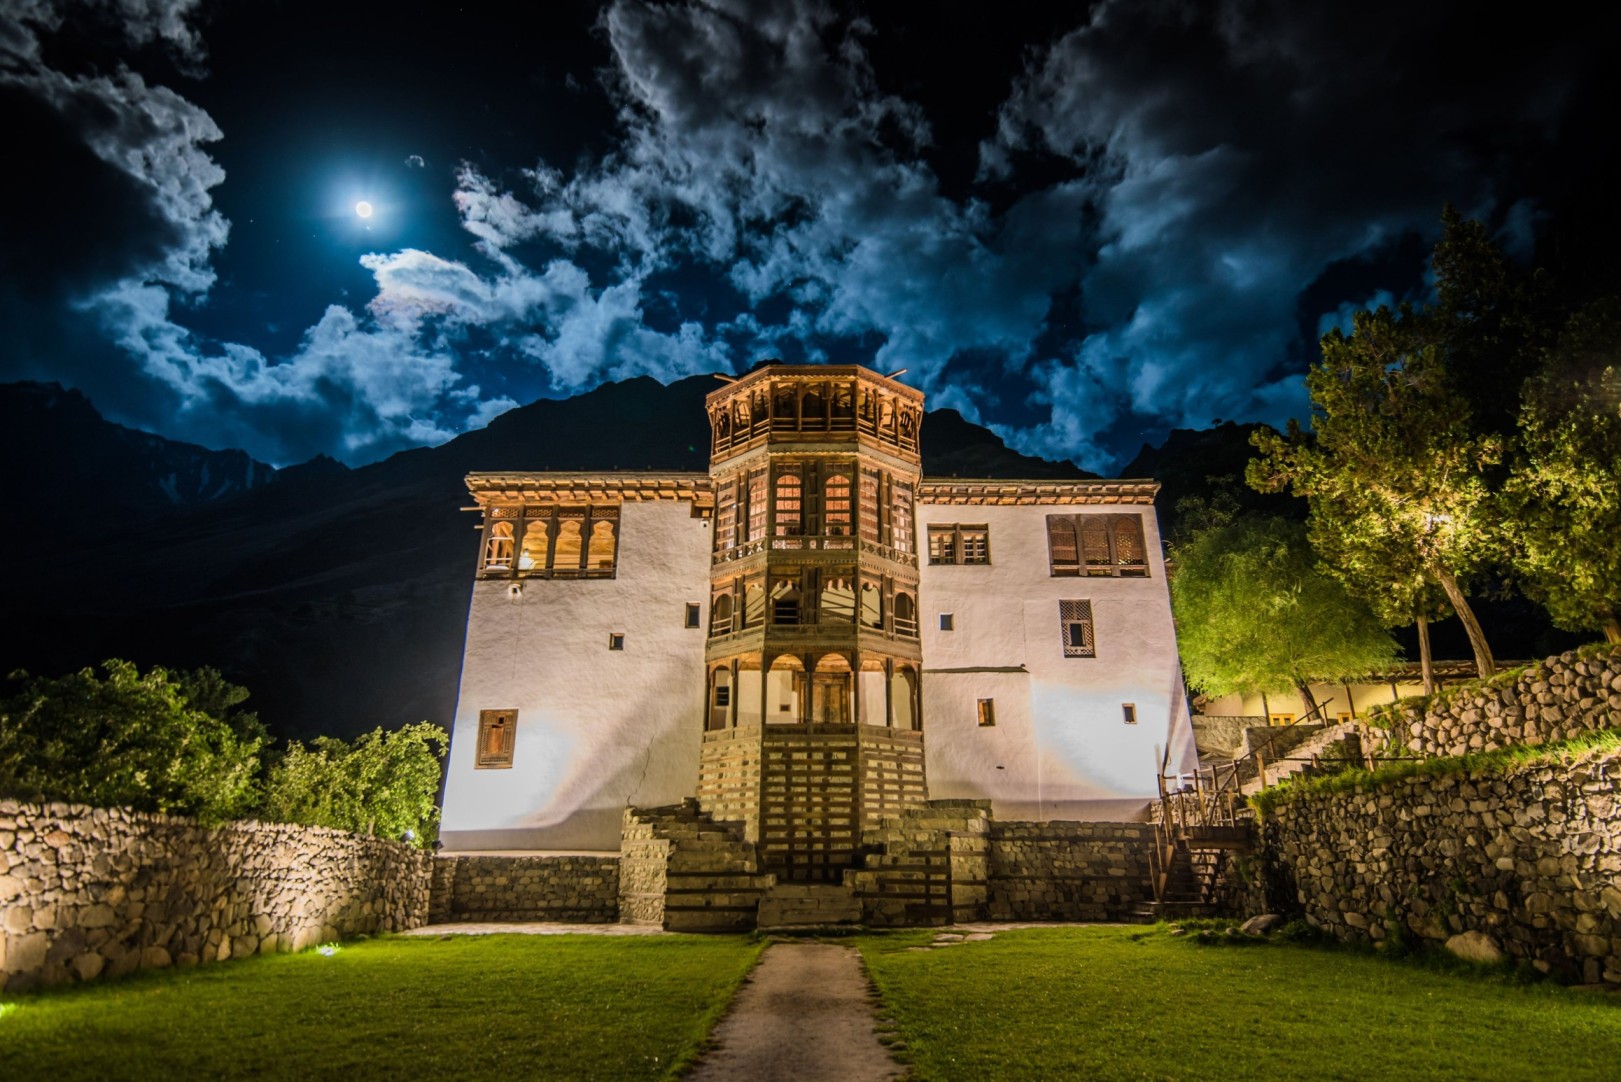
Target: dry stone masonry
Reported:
[(92, 892), (1523, 863), (1564, 696), (1069, 871), (572, 889)]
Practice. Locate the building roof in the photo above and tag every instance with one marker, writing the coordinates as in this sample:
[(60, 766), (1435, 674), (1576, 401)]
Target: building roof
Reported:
[(980, 491)]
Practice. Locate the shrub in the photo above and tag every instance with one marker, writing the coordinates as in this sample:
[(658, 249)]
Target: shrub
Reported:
[(161, 742), (383, 783)]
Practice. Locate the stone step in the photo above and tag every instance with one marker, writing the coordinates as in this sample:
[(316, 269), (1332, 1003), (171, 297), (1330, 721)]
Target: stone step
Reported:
[(806, 905)]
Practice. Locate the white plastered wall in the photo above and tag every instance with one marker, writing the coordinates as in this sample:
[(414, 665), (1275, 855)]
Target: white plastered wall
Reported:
[(597, 728), (1060, 748)]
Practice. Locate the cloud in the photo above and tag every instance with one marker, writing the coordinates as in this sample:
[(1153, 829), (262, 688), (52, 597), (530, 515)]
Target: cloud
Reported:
[(415, 161)]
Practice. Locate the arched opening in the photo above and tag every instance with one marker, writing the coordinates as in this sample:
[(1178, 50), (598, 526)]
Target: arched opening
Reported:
[(498, 549), (720, 696), (600, 552), (785, 602), (813, 409), (906, 615), (830, 691), (788, 514), (754, 604), (749, 691), (566, 553), (720, 615), (903, 697), (838, 601), (1095, 544), (870, 689), (536, 541), (784, 691), (872, 606)]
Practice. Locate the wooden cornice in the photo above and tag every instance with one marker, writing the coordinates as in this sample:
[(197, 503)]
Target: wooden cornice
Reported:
[(578, 488), (993, 492)]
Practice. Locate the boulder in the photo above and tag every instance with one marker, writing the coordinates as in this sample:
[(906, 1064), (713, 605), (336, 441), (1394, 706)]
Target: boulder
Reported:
[(1475, 946), (1262, 923)]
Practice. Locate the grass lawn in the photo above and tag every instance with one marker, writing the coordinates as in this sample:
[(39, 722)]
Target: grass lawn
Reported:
[(505, 1006), (1119, 1003)]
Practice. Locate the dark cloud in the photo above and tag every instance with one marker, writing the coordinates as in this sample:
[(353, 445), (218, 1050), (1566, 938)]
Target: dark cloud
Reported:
[(1170, 202)]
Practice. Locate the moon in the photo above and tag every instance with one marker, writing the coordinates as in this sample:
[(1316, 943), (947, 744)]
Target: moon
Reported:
[(363, 209)]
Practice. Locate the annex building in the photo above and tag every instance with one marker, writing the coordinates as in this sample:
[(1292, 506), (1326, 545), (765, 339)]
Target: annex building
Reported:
[(809, 638)]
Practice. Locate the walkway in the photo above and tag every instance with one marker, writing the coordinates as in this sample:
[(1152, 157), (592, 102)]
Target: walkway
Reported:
[(806, 1014)]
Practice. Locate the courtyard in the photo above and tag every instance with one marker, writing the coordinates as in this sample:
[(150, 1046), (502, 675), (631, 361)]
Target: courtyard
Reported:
[(1102, 1002)]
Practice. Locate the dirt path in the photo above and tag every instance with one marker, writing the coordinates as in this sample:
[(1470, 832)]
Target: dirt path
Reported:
[(805, 1013)]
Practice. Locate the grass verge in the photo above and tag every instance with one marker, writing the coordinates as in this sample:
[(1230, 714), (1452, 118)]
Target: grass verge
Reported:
[(465, 1007), (1135, 1003)]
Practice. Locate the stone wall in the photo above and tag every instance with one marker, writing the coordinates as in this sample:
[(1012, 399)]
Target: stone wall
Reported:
[(1069, 871), (1525, 861), (91, 892), (1554, 699), (925, 866), (573, 889)]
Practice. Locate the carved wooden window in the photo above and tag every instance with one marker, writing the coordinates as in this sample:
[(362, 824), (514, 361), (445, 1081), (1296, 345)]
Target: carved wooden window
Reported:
[(757, 503), (785, 601), (836, 506), (1097, 545), (555, 542), (720, 615), (901, 518), (987, 713), (868, 516), (726, 516), (1075, 621), (754, 604), (790, 502), (497, 733), (498, 549), (951, 543)]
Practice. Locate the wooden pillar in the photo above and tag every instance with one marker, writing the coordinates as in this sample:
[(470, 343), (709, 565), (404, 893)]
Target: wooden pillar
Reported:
[(731, 696)]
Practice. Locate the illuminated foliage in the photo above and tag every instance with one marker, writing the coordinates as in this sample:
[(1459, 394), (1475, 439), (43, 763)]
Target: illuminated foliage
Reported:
[(1396, 469), (1255, 614), (1563, 498), (384, 783), (162, 741)]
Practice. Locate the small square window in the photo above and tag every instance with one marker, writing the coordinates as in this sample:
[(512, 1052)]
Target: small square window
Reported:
[(948, 621), (1129, 711), (723, 695), (616, 641), (987, 712), (692, 614)]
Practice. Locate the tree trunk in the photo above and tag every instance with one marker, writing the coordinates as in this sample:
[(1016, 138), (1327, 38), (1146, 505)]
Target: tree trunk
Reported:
[(1425, 668), (1484, 666), (1306, 698), (1612, 628), (1266, 708)]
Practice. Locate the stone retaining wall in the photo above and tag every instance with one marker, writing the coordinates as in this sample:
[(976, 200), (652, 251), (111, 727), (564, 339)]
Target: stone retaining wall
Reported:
[(1069, 871), (1555, 699), (574, 889), (91, 892), (1526, 861)]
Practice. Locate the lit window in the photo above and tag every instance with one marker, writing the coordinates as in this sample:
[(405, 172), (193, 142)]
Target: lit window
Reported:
[(1129, 712), (987, 712), (1097, 545), (552, 542), (1282, 719), (951, 543), (496, 732), (1075, 619), (948, 621), (692, 615), (616, 641)]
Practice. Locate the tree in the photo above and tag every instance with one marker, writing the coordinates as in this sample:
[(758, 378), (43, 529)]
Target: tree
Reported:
[(384, 783), (1563, 496), (1397, 474), (1255, 614), (139, 741)]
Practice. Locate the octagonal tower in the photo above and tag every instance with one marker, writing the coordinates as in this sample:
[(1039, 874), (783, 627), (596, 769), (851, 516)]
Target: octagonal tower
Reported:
[(813, 714)]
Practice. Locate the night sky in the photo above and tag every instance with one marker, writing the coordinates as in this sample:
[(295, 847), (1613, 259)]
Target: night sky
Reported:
[(1079, 225)]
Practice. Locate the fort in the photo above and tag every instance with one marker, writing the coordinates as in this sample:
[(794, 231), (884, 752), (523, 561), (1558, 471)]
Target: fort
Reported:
[(807, 649)]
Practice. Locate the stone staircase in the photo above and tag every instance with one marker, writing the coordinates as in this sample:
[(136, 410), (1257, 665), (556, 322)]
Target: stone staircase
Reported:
[(797, 907), (1297, 758), (1188, 886), (686, 872)]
